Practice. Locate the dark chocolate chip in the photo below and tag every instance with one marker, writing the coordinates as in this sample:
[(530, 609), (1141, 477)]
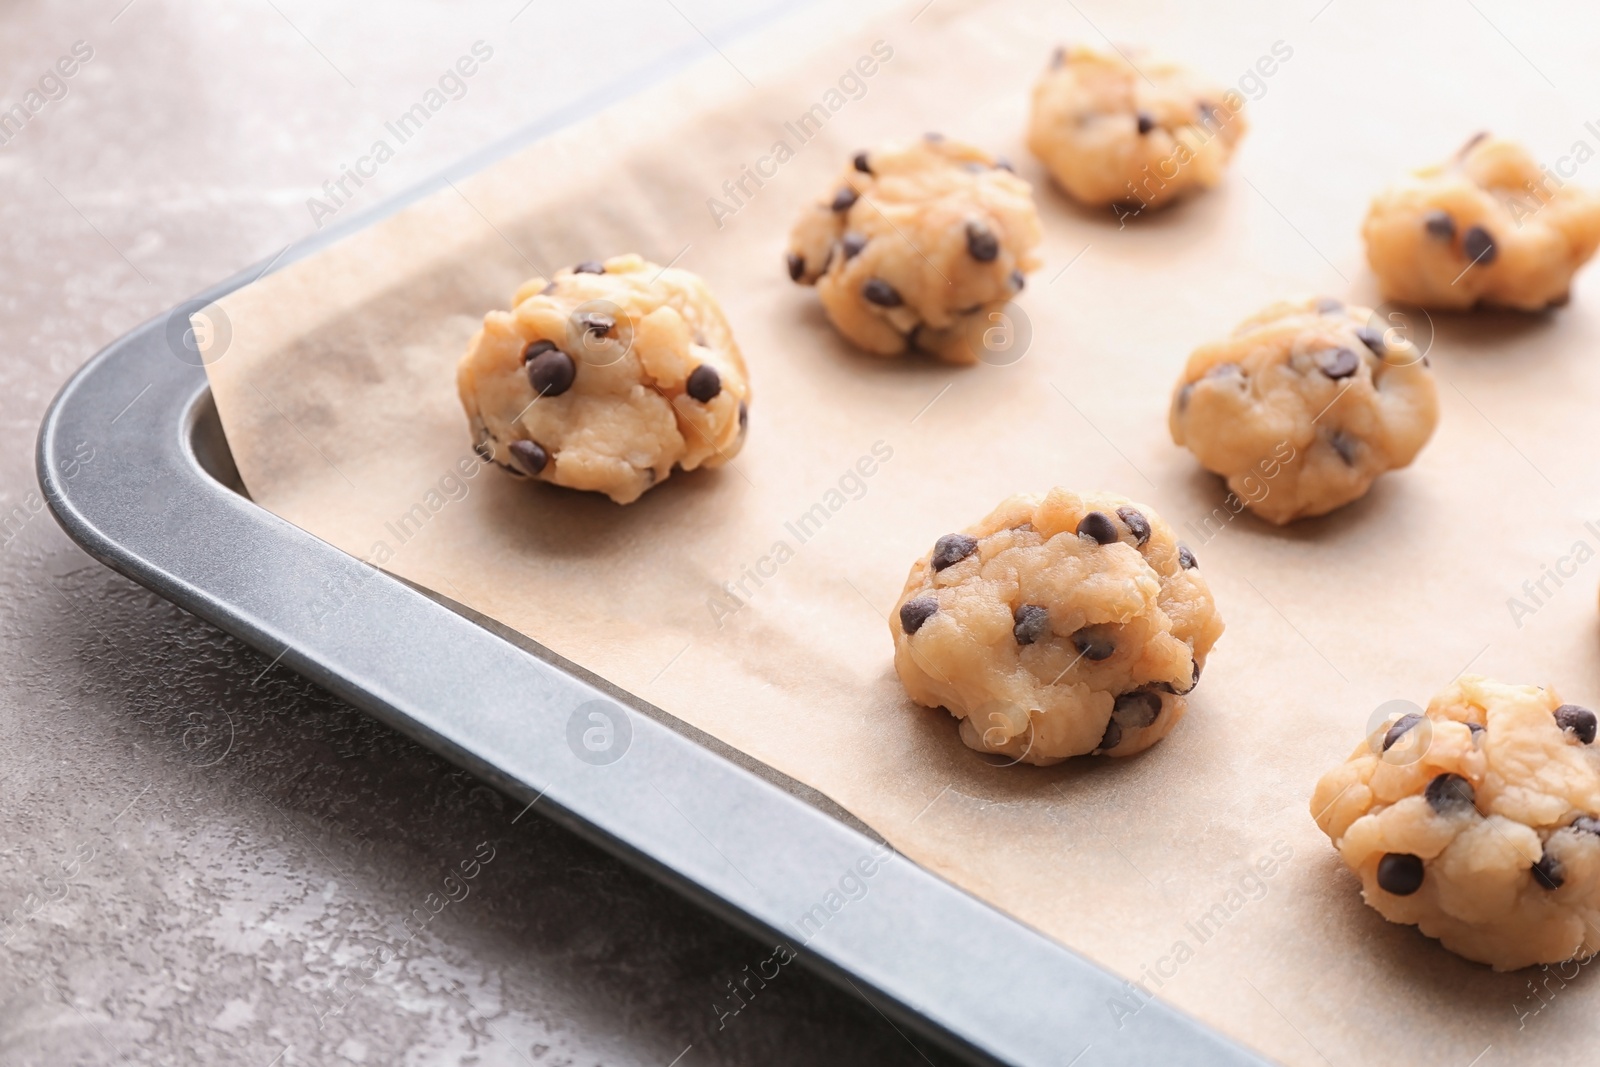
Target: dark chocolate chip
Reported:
[(877, 291), (589, 266), (1400, 873), (952, 549), (704, 383), (744, 415), (1338, 363), (1137, 709), (933, 135), (552, 372), (861, 163), (1439, 224), (797, 267), (913, 613), (852, 244), (1111, 738), (1474, 729), (1137, 524), (1579, 721), (1002, 163), (1094, 646), (1449, 794), (1327, 305), (1372, 338), (1548, 872), (845, 199), (1586, 824), (1186, 558), (536, 349), (982, 244), (1479, 245), (596, 323), (1058, 58), (1401, 727), (1018, 282), (1195, 679), (1098, 526), (529, 456), (1032, 623), (1146, 121), (1345, 445)]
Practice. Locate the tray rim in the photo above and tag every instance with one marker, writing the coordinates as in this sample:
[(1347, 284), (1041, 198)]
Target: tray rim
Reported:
[(100, 513)]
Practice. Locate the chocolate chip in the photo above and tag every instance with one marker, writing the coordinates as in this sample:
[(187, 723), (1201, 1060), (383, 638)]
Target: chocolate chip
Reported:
[(1345, 445), (1474, 729), (1098, 526), (933, 135), (797, 266), (845, 199), (548, 289), (589, 266), (1338, 363), (744, 416), (1479, 245), (1111, 738), (852, 244), (861, 163), (952, 549), (1579, 721), (1002, 163), (1186, 558), (1372, 338), (972, 166), (1137, 524), (982, 244), (913, 613), (1137, 709), (529, 456), (1184, 394), (1058, 58), (1327, 305), (1400, 873), (1032, 623), (1017, 281), (877, 291), (536, 349), (1401, 727), (1146, 122), (1439, 224), (1586, 824), (1548, 872), (1195, 675), (1093, 646), (551, 372), (1450, 794), (596, 323), (704, 383)]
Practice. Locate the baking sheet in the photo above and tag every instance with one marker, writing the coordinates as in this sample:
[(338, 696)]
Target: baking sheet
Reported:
[(1194, 869)]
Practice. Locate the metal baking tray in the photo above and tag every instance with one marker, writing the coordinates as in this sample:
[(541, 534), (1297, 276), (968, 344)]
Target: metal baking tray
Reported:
[(162, 503)]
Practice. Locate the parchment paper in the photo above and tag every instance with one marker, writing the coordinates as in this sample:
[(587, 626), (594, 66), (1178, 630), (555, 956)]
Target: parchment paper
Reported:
[(337, 394)]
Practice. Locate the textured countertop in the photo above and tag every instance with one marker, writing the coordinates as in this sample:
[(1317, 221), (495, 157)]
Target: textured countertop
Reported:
[(203, 858)]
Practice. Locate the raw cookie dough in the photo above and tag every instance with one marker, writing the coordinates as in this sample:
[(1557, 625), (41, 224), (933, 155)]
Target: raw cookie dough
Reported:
[(1060, 625), (1303, 406), (1479, 822), (1489, 226), (1113, 133), (605, 378), (918, 246)]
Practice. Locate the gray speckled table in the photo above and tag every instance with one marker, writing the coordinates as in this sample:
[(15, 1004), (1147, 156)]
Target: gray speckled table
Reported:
[(204, 859)]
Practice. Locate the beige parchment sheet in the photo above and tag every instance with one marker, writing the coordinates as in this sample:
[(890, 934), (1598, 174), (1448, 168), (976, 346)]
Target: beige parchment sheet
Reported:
[(338, 396)]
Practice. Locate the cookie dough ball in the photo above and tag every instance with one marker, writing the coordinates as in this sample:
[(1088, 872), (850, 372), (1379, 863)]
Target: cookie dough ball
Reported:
[(1477, 821), (1303, 406), (1110, 133), (1490, 226), (1060, 625), (916, 245), (606, 378)]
